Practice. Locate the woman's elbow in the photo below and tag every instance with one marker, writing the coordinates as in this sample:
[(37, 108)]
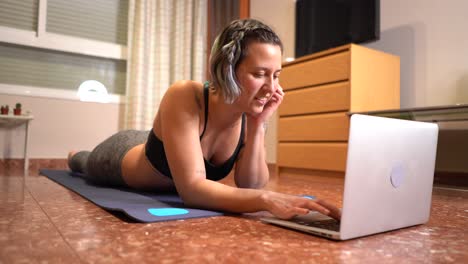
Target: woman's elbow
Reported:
[(191, 195), (189, 199)]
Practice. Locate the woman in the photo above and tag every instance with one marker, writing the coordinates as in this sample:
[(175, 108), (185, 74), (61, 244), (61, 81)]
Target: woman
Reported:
[(201, 131)]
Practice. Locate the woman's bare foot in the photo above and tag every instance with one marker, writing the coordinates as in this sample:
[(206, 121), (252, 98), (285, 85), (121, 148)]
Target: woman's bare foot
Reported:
[(71, 154)]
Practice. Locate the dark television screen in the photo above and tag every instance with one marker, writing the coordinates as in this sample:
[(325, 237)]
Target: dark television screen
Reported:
[(325, 24)]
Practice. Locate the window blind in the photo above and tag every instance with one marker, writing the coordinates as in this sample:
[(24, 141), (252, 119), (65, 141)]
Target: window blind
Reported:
[(50, 69), (20, 14), (104, 20)]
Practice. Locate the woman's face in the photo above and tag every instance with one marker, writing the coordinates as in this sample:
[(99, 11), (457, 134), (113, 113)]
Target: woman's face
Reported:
[(258, 76)]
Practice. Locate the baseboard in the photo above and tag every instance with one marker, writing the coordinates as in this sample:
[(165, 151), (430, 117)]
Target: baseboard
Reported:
[(14, 167), (318, 176)]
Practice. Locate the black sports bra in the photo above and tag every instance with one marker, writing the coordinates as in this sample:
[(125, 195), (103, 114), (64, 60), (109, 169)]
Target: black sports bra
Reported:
[(154, 151)]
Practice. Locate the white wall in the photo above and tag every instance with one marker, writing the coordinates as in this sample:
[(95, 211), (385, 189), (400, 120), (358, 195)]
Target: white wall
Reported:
[(58, 126), (280, 16), (430, 36)]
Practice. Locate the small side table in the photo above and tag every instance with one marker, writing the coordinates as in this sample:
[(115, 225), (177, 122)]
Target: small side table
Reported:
[(17, 120), (450, 170), (443, 113)]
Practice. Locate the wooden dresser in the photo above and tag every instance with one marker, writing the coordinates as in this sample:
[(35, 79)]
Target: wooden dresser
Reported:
[(320, 90)]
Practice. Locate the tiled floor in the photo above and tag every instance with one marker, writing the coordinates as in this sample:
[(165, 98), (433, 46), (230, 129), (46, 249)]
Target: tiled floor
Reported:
[(40, 221)]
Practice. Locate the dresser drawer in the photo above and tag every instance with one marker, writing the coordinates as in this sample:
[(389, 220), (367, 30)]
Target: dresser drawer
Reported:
[(316, 156), (327, 69), (325, 127), (326, 98)]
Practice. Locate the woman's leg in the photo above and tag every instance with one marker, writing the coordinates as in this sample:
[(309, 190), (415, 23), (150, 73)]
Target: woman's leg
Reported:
[(103, 165)]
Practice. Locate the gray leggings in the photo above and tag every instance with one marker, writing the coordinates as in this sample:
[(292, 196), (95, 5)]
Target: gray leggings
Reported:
[(103, 164)]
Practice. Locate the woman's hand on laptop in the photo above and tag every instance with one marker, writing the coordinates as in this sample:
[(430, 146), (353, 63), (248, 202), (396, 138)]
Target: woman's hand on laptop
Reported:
[(335, 212), (286, 206)]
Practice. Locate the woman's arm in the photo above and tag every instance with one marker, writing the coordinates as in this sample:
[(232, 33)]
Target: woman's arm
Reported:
[(251, 169)]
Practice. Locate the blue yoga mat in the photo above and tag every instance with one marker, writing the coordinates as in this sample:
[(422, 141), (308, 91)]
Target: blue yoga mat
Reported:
[(140, 206)]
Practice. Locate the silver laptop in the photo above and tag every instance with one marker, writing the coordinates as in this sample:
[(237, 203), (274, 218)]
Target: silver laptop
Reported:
[(388, 181)]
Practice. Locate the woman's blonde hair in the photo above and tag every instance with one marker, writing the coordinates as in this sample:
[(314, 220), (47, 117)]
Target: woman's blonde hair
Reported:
[(230, 48)]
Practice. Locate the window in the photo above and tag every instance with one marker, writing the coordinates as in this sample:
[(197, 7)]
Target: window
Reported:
[(55, 45), (19, 14), (104, 20)]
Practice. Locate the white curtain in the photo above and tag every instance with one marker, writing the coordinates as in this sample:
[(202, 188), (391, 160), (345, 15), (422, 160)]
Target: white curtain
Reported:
[(166, 43)]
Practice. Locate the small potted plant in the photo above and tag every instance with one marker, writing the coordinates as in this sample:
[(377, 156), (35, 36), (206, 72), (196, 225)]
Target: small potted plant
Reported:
[(17, 109), (4, 110)]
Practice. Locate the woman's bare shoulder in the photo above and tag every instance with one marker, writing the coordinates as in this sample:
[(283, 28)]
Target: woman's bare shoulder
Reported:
[(185, 94), (184, 88)]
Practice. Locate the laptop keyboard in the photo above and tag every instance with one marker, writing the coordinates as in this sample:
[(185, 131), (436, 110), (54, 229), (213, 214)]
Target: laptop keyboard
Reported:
[(330, 224)]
